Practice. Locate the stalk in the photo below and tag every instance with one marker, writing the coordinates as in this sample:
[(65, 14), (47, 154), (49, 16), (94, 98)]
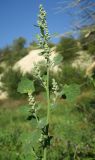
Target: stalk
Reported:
[(48, 97), (45, 154), (43, 39), (48, 108)]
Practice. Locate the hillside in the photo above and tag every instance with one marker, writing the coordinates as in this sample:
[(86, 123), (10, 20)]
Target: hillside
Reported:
[(27, 63)]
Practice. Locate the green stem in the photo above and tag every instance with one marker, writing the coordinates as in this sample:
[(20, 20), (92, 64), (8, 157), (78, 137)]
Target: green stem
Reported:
[(45, 154), (48, 97), (48, 108), (36, 118)]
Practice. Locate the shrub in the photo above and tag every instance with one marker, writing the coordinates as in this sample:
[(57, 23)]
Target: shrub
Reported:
[(86, 103), (88, 43), (70, 74), (10, 80), (67, 47), (16, 51), (1, 69)]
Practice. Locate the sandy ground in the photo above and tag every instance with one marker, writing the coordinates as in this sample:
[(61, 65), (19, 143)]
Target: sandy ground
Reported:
[(3, 95), (83, 61)]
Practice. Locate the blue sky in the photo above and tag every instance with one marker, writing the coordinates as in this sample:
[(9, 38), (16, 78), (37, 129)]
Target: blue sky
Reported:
[(18, 17)]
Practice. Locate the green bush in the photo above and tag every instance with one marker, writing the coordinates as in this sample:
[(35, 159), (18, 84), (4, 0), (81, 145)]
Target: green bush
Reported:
[(67, 47), (70, 75), (88, 43), (16, 51), (1, 69), (10, 80), (86, 103), (91, 48)]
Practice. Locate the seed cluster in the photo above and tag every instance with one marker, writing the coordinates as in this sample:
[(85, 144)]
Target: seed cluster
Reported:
[(37, 74), (33, 109), (31, 100), (55, 89), (44, 36)]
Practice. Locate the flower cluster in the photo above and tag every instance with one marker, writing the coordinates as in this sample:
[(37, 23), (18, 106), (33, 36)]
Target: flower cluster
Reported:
[(33, 108), (42, 23), (31, 100), (37, 72), (55, 89), (44, 36)]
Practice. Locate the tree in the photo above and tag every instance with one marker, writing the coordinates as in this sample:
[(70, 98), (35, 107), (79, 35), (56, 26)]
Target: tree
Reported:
[(10, 80), (82, 11), (68, 48), (19, 43)]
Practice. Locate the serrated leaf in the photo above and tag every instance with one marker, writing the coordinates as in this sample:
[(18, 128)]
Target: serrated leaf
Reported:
[(58, 59), (71, 91), (26, 86)]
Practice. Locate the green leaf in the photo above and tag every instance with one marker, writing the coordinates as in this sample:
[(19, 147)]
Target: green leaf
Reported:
[(71, 91), (58, 59), (26, 86), (42, 122), (44, 78)]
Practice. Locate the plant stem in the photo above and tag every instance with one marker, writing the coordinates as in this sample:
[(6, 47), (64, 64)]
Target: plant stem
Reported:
[(48, 107), (45, 154), (48, 97)]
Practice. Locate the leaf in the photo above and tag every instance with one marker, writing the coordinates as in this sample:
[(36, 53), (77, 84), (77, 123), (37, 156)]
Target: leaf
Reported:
[(26, 86), (42, 122), (58, 59), (45, 129), (30, 138), (71, 91), (45, 78)]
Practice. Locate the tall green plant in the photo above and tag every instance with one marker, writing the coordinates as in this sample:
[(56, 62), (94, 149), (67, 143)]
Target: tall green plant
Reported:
[(42, 129)]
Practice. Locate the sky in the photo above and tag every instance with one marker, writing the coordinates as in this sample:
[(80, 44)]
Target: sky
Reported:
[(18, 17)]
